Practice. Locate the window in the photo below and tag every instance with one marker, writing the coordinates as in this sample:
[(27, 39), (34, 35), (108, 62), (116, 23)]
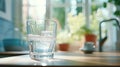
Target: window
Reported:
[(57, 9), (74, 12), (33, 9), (97, 13), (61, 8)]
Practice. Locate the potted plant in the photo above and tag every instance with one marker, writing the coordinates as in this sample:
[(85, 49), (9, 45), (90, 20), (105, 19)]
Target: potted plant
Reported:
[(64, 39), (79, 30), (87, 33)]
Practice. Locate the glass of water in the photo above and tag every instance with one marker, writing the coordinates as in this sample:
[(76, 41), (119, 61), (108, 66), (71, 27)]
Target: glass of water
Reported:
[(41, 36)]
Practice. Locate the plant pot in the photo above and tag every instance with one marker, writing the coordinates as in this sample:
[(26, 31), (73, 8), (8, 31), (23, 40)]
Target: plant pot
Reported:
[(91, 38), (63, 46)]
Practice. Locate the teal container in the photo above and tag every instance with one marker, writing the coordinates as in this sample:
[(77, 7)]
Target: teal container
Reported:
[(15, 45)]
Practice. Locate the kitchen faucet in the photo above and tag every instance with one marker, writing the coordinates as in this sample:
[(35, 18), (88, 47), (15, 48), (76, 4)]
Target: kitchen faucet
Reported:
[(100, 31)]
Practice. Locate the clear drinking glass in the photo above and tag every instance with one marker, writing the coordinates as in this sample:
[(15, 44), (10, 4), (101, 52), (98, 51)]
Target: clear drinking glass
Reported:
[(41, 38)]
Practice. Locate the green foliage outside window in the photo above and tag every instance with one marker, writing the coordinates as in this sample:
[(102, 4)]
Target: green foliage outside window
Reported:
[(59, 13), (116, 3)]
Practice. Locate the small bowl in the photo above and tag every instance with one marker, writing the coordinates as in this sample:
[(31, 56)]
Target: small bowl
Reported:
[(87, 51)]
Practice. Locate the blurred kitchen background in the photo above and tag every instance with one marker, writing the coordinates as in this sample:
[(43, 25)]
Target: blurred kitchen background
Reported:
[(74, 19)]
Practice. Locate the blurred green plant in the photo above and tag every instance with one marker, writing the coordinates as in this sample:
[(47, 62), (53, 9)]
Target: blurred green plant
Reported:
[(75, 22), (19, 30), (64, 37), (116, 3), (78, 27), (59, 13)]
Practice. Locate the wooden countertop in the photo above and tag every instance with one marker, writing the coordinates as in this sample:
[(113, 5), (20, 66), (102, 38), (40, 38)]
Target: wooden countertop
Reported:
[(67, 59)]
